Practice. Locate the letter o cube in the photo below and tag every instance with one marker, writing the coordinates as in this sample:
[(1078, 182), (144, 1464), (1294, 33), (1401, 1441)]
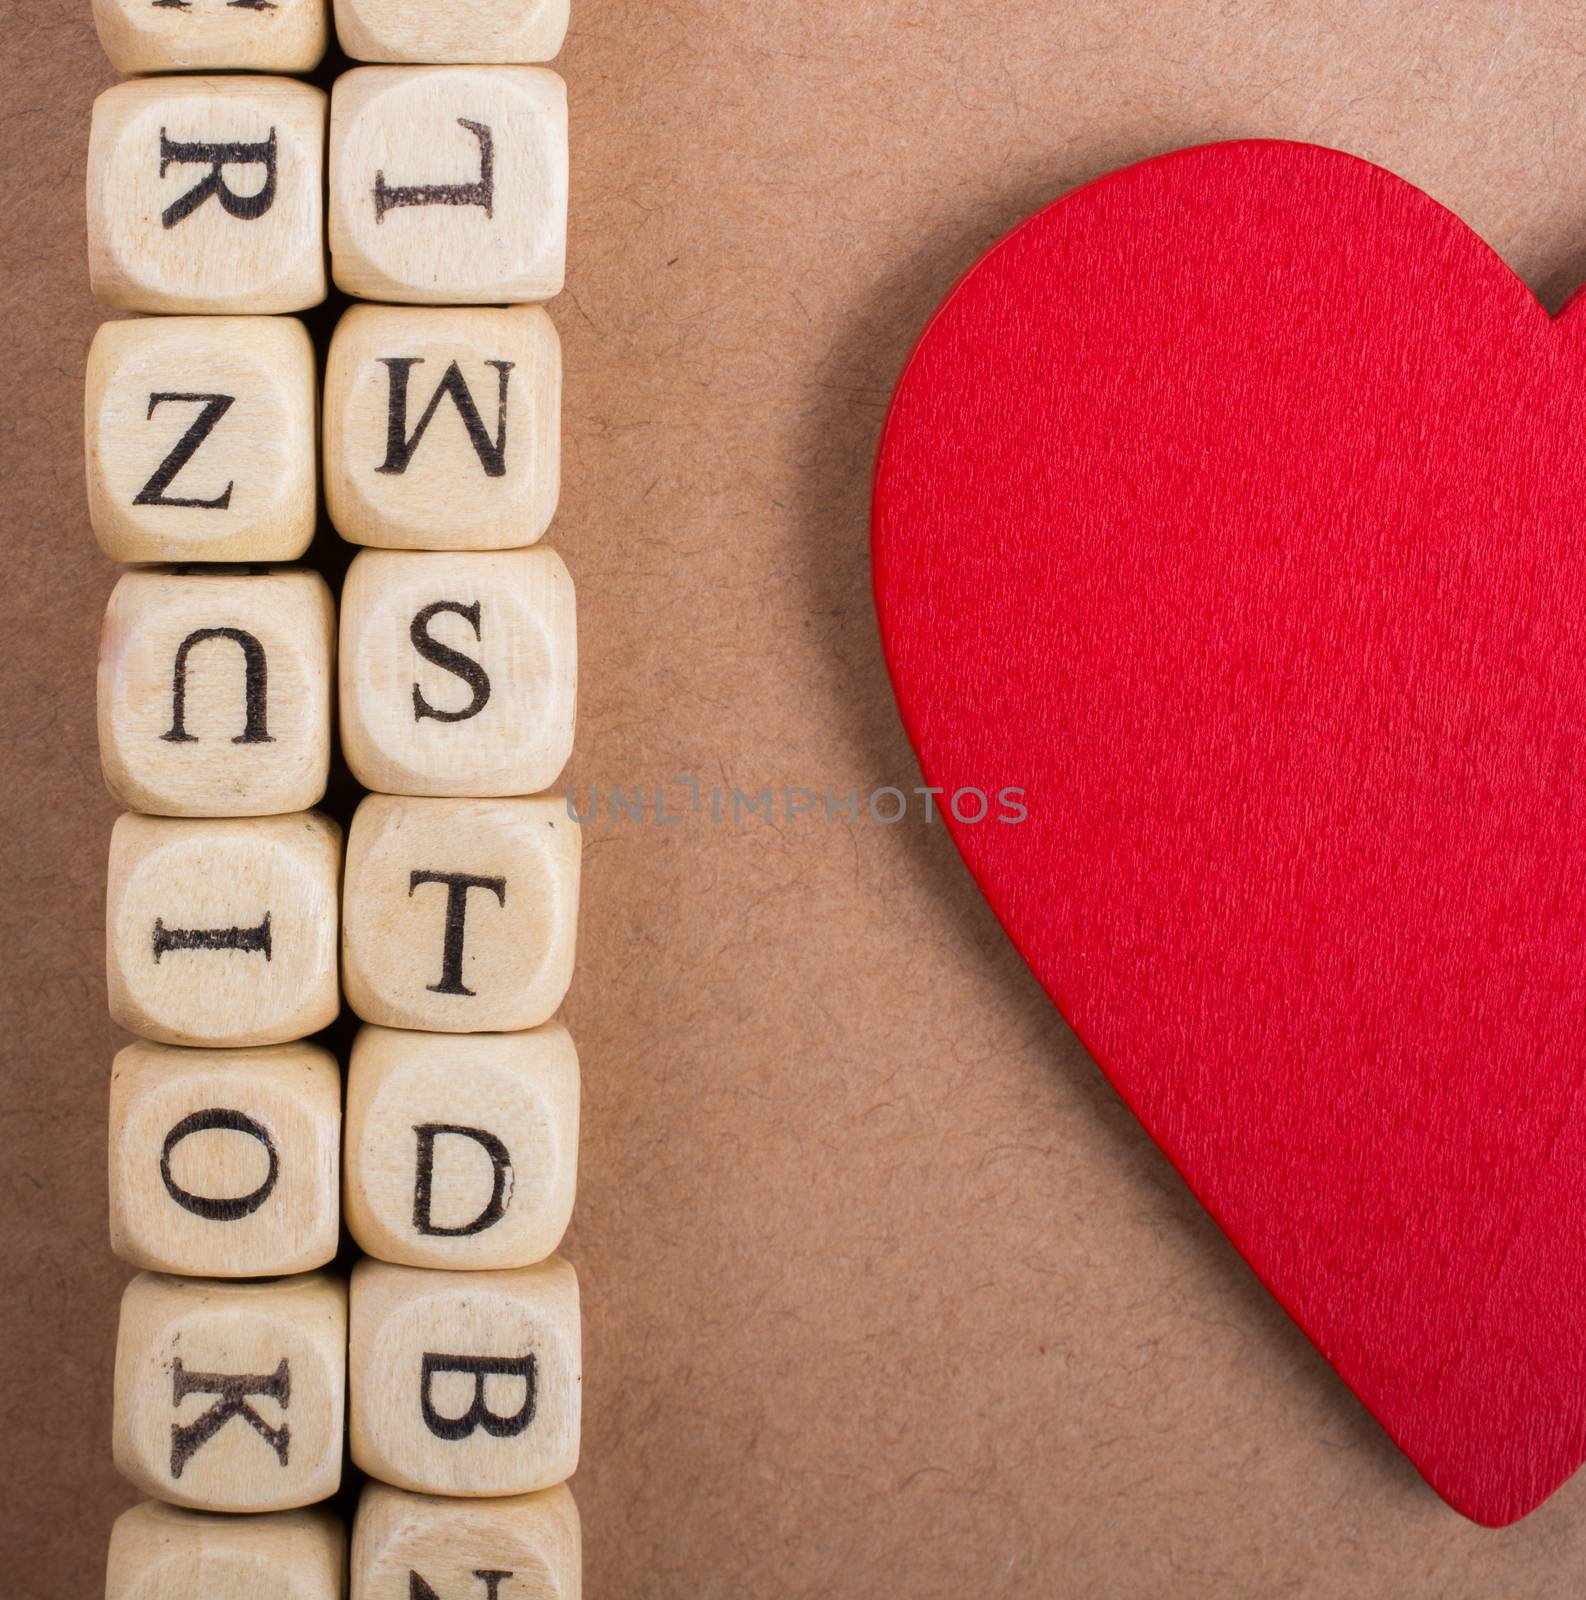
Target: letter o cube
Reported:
[(231, 1396), (462, 1149), (159, 1552), (448, 1545), (465, 1383), (225, 1163), (460, 915)]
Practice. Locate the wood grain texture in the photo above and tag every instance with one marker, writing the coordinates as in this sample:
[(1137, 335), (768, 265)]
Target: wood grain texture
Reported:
[(179, 1436), (461, 31), (462, 1149), (161, 238), (433, 1408), (215, 691), (223, 932), (460, 916), (226, 406), (535, 1537), (448, 185), (225, 1163), (158, 1552), (1274, 574), (483, 472), (204, 35), (459, 672)]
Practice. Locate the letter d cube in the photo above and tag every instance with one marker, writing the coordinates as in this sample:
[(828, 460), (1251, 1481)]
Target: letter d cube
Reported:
[(466, 1383)]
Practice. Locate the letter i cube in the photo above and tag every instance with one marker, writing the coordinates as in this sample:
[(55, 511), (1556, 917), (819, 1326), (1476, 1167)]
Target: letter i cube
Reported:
[(204, 194)]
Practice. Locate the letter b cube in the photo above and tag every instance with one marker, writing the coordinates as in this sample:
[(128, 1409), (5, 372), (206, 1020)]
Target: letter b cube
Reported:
[(465, 1383), (230, 1396)]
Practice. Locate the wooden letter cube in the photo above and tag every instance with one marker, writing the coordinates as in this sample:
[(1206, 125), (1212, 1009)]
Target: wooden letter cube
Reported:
[(230, 1396), (214, 692), (443, 426), (460, 31), (460, 915), (462, 1148), (204, 194), (448, 185), (199, 434), (223, 932), (158, 1552), (458, 672), (530, 1544), (198, 35), (465, 1383), (225, 1163)]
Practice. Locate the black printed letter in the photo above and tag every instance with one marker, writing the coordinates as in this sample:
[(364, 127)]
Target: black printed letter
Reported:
[(482, 194), (418, 1589), (228, 1209), (247, 940), (153, 492), (457, 886), (454, 661), (234, 1390), (399, 447), (255, 683), (501, 1165), (249, 207), (478, 1415)]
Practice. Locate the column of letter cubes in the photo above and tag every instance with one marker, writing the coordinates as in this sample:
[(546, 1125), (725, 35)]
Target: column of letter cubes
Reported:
[(448, 196), (215, 677)]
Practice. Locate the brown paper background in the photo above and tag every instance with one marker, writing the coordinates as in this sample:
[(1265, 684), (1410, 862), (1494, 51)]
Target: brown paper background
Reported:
[(885, 1293)]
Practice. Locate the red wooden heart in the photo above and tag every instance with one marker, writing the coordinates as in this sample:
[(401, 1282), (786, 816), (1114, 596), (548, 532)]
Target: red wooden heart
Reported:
[(1234, 507)]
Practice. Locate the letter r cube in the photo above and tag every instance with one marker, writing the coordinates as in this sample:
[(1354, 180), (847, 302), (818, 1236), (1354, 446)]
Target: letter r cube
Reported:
[(204, 194)]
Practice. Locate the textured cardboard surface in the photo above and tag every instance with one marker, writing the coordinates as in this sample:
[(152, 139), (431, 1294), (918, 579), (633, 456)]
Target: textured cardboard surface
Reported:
[(885, 1292)]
